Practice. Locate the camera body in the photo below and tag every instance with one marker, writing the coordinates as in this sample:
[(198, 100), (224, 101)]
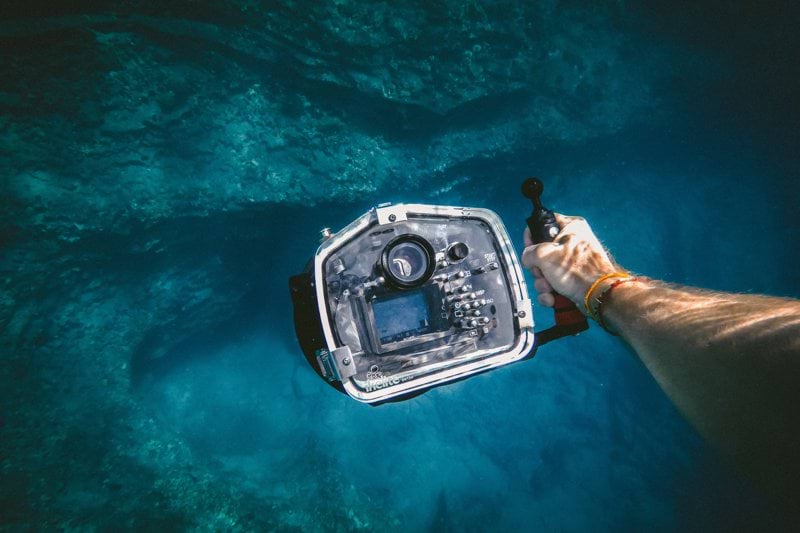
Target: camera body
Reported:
[(411, 296)]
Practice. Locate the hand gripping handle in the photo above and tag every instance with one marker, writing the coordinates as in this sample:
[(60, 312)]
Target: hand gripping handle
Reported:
[(544, 228)]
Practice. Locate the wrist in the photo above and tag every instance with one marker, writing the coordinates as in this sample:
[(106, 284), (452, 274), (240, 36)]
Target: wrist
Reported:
[(620, 304), (600, 287), (594, 275), (581, 287)]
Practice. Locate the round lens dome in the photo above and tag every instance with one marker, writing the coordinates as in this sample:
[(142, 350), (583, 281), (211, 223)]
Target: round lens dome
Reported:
[(408, 261)]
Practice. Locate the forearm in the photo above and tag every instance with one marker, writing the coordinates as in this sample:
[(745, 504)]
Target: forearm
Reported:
[(730, 362)]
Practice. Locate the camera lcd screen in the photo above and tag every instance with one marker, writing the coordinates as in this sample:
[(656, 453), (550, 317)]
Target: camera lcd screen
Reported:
[(402, 316)]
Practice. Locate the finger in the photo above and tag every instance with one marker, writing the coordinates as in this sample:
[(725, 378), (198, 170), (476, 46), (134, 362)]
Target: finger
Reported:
[(541, 285), (537, 272), (526, 236), (533, 256), (546, 299)]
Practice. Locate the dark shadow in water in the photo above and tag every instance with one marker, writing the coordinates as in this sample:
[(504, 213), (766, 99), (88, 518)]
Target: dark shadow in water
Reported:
[(243, 258)]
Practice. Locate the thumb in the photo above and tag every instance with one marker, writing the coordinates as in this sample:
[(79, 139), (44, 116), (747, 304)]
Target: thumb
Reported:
[(563, 220)]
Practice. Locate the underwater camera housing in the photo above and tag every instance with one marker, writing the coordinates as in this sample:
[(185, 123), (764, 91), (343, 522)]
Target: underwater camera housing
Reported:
[(409, 297)]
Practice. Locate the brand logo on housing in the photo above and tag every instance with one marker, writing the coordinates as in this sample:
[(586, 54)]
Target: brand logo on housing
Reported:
[(376, 380)]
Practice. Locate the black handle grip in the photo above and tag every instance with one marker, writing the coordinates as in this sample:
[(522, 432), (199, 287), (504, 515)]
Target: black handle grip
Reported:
[(544, 228), (542, 222)]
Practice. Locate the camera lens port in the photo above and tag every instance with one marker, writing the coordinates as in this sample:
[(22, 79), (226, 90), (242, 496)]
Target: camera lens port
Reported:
[(408, 261)]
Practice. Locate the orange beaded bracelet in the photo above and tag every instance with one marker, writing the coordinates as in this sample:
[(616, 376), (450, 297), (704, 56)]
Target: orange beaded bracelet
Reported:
[(587, 298), (604, 297)]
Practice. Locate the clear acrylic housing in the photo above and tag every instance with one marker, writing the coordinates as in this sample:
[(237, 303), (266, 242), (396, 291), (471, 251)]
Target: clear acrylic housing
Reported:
[(471, 314)]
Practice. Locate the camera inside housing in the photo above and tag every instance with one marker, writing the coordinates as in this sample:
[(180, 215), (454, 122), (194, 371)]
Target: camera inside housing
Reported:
[(408, 261), (413, 296)]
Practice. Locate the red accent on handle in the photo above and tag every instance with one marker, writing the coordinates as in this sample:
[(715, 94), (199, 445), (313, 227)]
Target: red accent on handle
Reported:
[(566, 313)]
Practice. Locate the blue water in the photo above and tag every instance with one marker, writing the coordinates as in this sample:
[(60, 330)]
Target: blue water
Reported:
[(580, 438), (166, 170)]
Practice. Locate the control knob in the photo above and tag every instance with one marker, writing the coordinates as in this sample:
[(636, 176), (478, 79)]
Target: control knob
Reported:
[(457, 251)]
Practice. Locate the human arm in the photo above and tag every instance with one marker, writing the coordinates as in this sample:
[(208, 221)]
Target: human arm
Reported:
[(730, 362)]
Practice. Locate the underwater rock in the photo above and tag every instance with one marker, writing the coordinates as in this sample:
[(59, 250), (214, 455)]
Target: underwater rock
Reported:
[(205, 109)]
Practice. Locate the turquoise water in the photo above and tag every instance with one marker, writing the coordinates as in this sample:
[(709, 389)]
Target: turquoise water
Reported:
[(165, 171)]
